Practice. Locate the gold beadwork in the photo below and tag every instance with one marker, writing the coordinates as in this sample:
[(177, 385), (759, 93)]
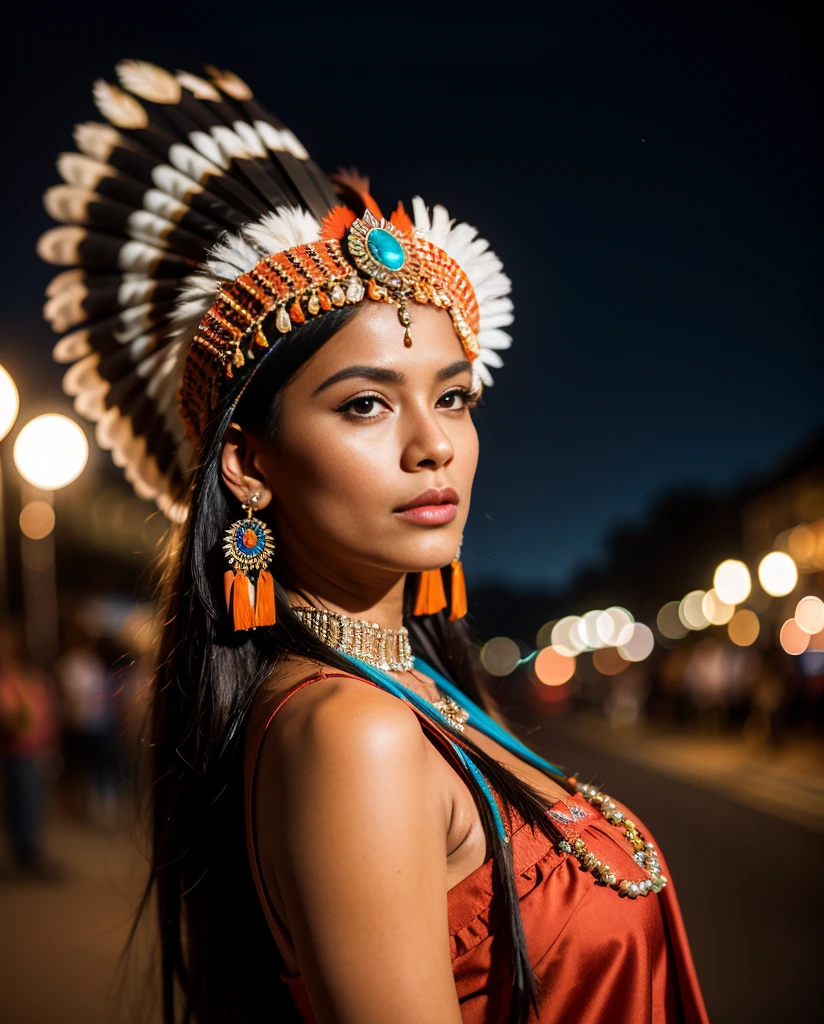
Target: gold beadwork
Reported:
[(386, 649), (645, 854)]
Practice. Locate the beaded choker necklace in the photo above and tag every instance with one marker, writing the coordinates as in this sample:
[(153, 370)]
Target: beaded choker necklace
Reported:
[(386, 649)]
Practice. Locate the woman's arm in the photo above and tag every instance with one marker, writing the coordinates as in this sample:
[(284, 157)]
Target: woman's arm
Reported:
[(354, 828)]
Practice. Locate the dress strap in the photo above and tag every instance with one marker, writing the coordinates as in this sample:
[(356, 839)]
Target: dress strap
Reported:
[(440, 738)]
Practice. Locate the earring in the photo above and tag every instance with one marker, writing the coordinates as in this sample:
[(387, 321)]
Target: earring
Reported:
[(457, 590), (249, 588), (431, 597)]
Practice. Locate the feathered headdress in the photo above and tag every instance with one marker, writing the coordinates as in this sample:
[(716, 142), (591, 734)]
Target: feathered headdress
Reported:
[(189, 219)]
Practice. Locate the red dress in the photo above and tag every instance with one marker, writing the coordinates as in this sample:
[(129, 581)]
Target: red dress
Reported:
[(599, 958)]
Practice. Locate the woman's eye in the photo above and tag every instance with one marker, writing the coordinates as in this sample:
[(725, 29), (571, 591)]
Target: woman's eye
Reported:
[(363, 407), (458, 399)]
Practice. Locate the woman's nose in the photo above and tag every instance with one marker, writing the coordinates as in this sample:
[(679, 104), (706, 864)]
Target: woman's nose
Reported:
[(428, 445)]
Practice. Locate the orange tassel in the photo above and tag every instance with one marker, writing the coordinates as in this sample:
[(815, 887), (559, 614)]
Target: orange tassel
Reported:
[(228, 580), (242, 613), (265, 599), (431, 597), (458, 592)]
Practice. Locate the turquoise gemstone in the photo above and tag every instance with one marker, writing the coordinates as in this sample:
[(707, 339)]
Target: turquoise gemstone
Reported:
[(386, 249)]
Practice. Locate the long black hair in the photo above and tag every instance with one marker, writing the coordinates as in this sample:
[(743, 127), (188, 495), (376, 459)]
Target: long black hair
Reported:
[(216, 952)]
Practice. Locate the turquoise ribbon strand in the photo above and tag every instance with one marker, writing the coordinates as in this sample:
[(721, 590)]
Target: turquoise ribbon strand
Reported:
[(480, 720)]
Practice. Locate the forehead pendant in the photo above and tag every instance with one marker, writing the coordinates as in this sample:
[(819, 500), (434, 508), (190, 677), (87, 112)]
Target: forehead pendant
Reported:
[(386, 257)]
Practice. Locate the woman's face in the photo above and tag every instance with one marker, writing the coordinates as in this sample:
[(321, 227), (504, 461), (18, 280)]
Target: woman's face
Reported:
[(367, 426)]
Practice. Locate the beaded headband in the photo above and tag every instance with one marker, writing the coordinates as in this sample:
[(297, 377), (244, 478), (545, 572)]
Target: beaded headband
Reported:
[(307, 280), (188, 219)]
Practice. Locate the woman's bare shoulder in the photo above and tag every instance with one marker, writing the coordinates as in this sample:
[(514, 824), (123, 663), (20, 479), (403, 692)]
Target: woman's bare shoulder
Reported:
[(343, 702)]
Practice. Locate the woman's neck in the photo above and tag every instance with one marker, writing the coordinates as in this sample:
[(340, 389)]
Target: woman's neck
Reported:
[(376, 601)]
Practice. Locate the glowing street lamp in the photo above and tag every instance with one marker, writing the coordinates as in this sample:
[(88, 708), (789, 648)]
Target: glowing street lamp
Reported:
[(51, 451), (9, 407), (9, 402)]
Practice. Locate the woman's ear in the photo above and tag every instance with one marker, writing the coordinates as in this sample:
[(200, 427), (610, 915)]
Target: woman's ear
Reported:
[(240, 471)]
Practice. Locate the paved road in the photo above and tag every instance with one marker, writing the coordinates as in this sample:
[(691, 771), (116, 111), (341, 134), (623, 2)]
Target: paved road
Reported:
[(60, 941), (747, 882)]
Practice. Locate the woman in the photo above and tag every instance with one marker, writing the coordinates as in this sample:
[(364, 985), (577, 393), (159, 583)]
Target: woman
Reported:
[(329, 793)]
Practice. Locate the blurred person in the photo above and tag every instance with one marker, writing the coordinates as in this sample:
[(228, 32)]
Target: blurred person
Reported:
[(329, 792), (628, 692), (27, 737), (89, 689)]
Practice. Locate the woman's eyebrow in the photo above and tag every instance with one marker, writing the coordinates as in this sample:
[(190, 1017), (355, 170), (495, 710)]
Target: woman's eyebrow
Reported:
[(461, 366), (379, 374), (383, 375)]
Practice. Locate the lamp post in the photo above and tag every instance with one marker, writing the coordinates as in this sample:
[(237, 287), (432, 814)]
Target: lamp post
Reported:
[(50, 452), (9, 407)]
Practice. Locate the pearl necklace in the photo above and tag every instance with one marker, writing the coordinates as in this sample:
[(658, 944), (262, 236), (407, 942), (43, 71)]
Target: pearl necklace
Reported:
[(645, 854)]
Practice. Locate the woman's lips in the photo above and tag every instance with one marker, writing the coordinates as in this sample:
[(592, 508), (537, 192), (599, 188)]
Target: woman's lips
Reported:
[(433, 507), (430, 514)]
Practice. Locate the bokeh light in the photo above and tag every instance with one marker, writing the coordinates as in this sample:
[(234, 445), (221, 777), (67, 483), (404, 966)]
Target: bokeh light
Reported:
[(809, 614), (500, 656), (802, 544), (715, 610), (640, 645), (608, 661), (669, 623), (744, 627), (732, 581), (777, 573), (588, 629), (690, 610), (9, 402), (560, 636), (615, 626), (50, 451), (793, 638), (553, 668), (37, 519), (544, 635)]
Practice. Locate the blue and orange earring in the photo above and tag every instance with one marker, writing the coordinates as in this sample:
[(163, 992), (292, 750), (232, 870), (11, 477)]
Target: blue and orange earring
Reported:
[(248, 585)]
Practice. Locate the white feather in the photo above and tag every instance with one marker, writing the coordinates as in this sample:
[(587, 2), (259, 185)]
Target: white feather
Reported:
[(485, 273), (138, 257), (174, 182), (202, 89), (190, 163), (66, 307), (250, 137), (96, 140), (73, 346), (145, 226), (230, 143), (197, 294), (272, 138), (287, 227), (163, 205), (208, 148), (82, 171), (293, 144), (61, 245)]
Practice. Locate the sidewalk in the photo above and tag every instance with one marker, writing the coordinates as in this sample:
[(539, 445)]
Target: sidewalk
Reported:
[(60, 941), (787, 782)]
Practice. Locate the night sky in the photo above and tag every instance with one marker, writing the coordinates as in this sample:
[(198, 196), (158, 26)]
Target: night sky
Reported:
[(648, 177)]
